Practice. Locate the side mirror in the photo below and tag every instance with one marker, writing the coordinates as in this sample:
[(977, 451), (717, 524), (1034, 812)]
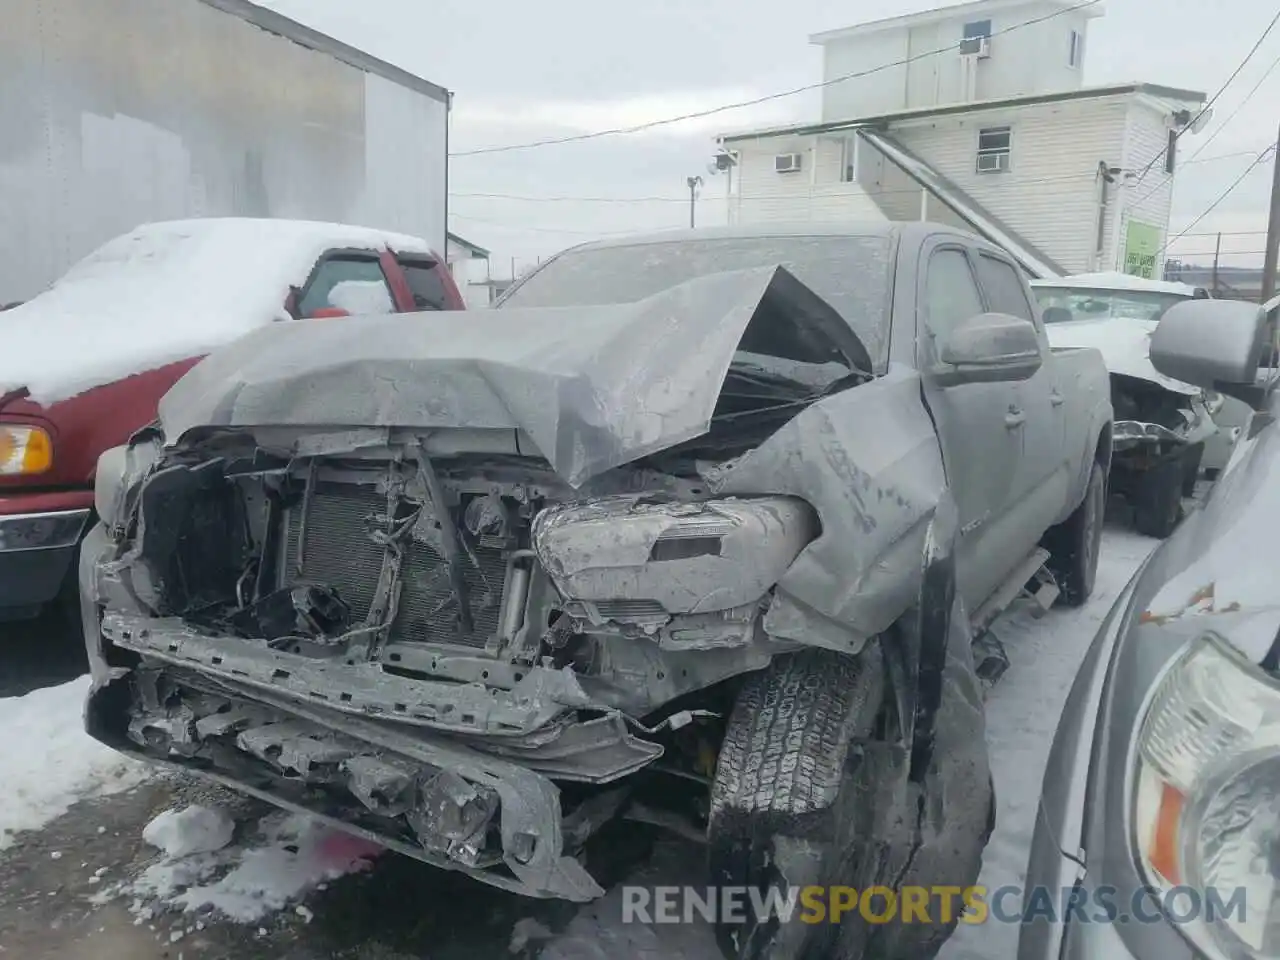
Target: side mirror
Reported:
[(1057, 315), (1213, 344), (989, 348)]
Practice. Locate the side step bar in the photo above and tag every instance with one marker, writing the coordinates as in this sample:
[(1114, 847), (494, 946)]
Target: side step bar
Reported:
[(1030, 578)]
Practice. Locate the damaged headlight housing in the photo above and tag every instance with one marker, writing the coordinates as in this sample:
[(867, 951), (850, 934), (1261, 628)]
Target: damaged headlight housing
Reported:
[(629, 556), (1206, 801)]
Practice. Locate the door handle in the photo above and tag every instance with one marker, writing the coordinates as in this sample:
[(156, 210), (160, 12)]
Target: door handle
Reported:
[(1014, 418), (1056, 398)]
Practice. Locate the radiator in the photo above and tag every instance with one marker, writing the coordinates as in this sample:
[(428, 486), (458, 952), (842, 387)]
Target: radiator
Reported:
[(339, 553)]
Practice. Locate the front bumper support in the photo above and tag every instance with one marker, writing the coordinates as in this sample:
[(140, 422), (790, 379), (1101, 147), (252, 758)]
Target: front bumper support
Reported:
[(527, 812)]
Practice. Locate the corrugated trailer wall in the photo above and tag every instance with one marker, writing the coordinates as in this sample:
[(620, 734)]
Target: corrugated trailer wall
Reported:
[(117, 112)]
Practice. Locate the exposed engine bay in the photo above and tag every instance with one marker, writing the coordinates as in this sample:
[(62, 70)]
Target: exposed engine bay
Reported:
[(486, 601)]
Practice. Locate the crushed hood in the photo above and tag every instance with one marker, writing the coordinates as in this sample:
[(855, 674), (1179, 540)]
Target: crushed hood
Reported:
[(592, 387), (1125, 345)]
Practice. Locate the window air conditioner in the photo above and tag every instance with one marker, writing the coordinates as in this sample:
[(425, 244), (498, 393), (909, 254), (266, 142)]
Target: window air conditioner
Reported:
[(787, 163), (979, 47), (993, 162)]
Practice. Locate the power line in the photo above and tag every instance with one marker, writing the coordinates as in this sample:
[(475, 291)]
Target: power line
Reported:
[(685, 200), (1232, 115), (555, 230), (1195, 158), (910, 191), (1226, 233), (567, 198), (756, 101), (1221, 253), (1225, 193), (1212, 100)]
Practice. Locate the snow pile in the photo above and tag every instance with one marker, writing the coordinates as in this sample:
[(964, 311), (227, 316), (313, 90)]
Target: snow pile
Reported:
[(293, 855), (49, 762), (163, 293), (193, 830)]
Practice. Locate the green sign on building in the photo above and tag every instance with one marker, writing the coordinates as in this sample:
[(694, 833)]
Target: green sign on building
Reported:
[(1141, 247)]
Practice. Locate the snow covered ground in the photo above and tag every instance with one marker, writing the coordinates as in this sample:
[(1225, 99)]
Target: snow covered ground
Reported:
[(198, 869), (48, 762)]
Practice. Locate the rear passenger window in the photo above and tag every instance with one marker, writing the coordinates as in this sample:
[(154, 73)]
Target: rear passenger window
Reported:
[(1004, 288), (354, 284), (425, 284), (951, 295)]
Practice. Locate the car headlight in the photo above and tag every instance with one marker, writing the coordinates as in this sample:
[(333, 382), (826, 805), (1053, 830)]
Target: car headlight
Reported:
[(24, 450), (1206, 808)]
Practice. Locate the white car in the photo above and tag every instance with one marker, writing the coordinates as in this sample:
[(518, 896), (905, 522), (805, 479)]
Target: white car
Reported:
[(1166, 431)]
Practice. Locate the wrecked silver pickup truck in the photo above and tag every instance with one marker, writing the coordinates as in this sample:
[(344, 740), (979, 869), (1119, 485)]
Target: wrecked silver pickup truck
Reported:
[(695, 528)]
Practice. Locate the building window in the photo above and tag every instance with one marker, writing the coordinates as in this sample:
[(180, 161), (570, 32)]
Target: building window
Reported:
[(993, 149), (977, 37), (1073, 57), (849, 159)]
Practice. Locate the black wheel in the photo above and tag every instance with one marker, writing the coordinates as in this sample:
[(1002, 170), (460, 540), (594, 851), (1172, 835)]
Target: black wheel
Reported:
[(789, 796), (1075, 543), (1157, 502)]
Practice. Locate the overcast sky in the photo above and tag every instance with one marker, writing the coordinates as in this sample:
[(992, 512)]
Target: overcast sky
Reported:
[(524, 71)]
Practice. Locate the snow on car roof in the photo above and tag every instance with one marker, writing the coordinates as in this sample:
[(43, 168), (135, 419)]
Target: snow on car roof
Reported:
[(1114, 280), (166, 292)]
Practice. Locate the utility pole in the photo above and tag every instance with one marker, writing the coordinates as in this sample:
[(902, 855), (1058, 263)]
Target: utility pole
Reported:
[(694, 184), (1273, 230), (1217, 254)]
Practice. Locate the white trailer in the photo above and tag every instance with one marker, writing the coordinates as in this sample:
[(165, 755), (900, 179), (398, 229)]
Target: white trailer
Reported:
[(115, 114)]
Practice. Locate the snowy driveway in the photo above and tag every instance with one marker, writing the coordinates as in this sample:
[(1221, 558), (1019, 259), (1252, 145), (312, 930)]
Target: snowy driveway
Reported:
[(85, 884)]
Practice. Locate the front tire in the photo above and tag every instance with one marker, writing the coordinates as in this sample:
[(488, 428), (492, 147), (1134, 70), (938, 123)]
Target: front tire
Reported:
[(1074, 545), (788, 802)]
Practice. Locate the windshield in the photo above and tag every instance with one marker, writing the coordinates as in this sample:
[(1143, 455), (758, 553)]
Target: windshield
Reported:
[(850, 273), (1102, 304)]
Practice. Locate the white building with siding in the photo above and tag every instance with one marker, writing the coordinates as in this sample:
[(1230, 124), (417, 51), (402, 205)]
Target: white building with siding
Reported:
[(996, 133), (469, 265)]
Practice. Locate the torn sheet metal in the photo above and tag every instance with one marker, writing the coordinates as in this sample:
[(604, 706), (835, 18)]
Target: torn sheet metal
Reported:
[(867, 460), (592, 387)]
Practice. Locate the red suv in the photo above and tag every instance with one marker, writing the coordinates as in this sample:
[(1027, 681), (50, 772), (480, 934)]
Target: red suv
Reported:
[(111, 341)]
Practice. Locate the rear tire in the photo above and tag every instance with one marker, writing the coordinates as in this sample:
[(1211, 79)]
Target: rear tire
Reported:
[(1157, 503), (1074, 544), (791, 778)]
